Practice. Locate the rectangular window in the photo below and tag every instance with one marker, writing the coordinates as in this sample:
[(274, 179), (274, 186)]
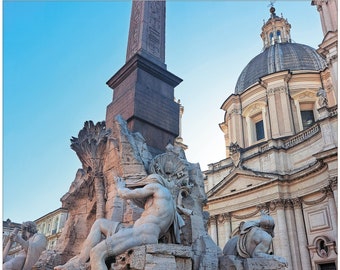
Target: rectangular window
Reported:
[(259, 130), (307, 118)]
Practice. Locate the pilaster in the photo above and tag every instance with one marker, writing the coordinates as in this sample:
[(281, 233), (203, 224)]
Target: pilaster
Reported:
[(283, 232), (292, 235), (301, 234)]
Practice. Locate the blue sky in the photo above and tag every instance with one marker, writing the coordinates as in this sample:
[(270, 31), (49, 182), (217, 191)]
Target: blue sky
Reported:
[(57, 57)]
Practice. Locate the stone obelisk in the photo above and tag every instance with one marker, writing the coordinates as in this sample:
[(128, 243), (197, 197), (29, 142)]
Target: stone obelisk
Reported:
[(143, 88)]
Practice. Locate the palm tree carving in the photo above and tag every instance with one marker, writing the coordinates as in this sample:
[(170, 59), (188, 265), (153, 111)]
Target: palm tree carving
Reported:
[(90, 147)]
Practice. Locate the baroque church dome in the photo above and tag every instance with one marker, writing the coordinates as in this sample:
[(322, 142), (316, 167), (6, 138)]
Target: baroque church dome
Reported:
[(279, 54)]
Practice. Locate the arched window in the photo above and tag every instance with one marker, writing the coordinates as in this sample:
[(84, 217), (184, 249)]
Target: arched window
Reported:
[(271, 38), (278, 35)]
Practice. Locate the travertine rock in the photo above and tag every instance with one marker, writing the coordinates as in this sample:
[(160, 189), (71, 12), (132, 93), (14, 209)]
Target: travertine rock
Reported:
[(158, 257), (232, 262), (126, 155)]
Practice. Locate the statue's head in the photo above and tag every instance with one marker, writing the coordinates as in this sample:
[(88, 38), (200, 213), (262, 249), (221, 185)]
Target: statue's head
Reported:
[(267, 223), (28, 227)]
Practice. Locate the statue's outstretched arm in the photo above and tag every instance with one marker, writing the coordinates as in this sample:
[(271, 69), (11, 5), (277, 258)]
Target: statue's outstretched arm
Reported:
[(17, 238), (138, 193)]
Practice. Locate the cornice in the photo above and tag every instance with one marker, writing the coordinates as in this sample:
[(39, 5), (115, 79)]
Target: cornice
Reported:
[(230, 177), (275, 204), (280, 180), (138, 61)]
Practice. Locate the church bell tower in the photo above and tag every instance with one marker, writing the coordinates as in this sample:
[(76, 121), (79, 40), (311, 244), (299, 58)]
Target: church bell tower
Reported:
[(143, 89)]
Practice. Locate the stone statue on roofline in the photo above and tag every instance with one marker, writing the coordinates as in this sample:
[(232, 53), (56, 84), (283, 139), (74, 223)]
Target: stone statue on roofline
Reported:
[(322, 97), (253, 246), (32, 245)]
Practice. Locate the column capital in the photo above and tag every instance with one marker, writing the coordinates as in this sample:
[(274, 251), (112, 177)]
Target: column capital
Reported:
[(212, 220), (327, 191), (333, 183), (297, 202), (279, 203), (223, 218), (263, 207), (289, 204)]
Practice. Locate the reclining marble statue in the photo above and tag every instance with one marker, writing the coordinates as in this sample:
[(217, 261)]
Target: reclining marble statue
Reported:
[(158, 216), (254, 241), (32, 243)]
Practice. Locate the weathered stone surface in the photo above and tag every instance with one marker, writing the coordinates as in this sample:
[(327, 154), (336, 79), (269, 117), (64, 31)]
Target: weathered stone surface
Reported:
[(47, 260), (159, 262), (262, 263), (155, 257), (127, 156), (231, 262), (170, 249)]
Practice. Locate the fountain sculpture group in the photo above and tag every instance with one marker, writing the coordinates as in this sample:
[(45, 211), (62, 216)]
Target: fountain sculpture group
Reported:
[(130, 210)]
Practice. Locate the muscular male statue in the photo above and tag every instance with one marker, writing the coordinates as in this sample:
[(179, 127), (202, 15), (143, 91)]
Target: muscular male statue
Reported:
[(254, 241), (159, 214), (33, 244)]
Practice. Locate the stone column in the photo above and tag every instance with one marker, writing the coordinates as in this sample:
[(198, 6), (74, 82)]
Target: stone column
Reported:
[(249, 131), (327, 18), (286, 118), (298, 112), (292, 235), (274, 123), (220, 230), (227, 226), (282, 234), (224, 230), (264, 119), (301, 234), (323, 23), (213, 229)]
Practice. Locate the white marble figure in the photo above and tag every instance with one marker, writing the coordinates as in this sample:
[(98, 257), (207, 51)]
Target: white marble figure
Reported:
[(32, 243), (158, 216), (323, 101), (254, 241)]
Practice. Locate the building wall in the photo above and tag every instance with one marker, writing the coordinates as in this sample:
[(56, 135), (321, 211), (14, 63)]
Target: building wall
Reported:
[(51, 226), (291, 172)]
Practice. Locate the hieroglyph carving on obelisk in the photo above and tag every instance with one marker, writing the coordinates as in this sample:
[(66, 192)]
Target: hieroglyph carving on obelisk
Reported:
[(147, 30)]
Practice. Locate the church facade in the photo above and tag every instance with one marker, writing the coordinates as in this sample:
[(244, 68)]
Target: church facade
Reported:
[(280, 130)]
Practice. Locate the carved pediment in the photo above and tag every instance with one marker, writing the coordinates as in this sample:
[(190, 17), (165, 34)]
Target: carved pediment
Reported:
[(237, 181)]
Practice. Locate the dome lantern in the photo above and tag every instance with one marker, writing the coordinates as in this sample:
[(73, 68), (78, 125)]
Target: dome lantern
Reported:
[(279, 54), (275, 30)]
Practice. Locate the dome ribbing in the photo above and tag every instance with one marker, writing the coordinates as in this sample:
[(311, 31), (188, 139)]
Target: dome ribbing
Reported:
[(279, 57)]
